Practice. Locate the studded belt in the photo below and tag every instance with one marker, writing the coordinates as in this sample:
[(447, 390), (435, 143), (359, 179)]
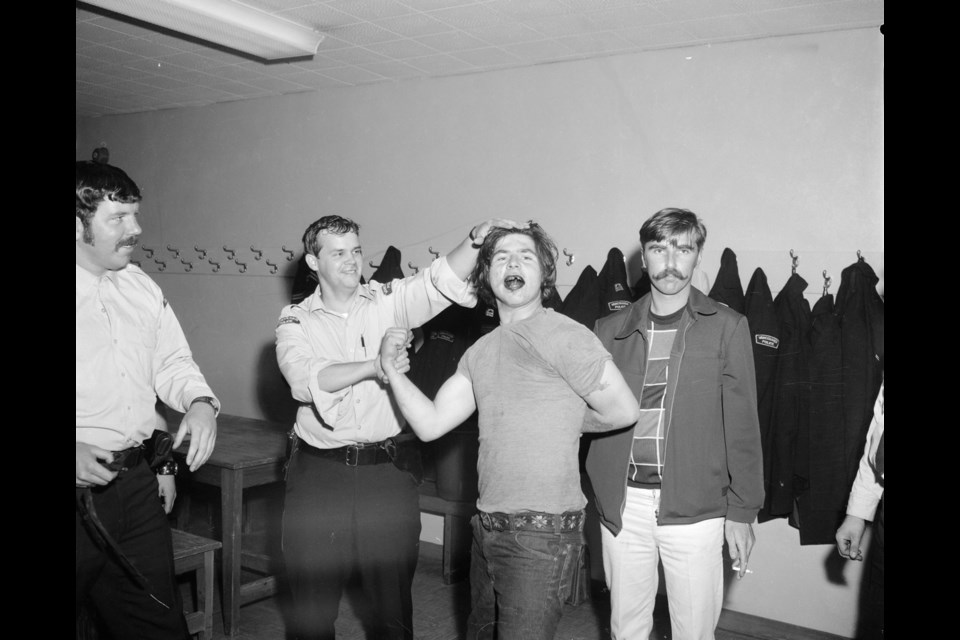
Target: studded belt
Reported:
[(532, 521)]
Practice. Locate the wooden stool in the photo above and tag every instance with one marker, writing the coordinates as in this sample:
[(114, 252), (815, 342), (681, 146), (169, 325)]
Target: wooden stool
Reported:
[(195, 553)]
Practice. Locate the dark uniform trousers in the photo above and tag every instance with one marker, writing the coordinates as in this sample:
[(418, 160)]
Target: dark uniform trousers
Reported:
[(131, 512), (341, 522)]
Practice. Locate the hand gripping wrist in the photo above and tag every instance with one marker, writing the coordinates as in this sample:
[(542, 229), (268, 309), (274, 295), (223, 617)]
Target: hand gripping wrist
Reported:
[(378, 369)]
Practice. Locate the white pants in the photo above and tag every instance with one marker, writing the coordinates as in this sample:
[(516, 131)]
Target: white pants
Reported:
[(692, 556)]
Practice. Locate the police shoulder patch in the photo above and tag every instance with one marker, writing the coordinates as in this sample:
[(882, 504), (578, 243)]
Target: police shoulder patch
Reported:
[(387, 288), (288, 320), (767, 341)]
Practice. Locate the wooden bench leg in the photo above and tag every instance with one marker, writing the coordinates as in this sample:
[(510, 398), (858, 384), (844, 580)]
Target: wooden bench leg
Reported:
[(205, 596)]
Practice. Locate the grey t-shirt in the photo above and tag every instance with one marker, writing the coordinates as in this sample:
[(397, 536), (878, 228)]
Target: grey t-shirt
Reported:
[(529, 379)]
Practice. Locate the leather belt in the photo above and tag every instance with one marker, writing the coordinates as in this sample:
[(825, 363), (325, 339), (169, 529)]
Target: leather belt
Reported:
[(354, 455), (125, 459), (533, 521)]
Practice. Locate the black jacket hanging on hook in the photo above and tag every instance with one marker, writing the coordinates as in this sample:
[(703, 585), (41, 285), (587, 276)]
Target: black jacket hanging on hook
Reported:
[(553, 300), (583, 301), (792, 396), (389, 268), (821, 491), (860, 309), (613, 291), (450, 460), (765, 333), (304, 282), (642, 286), (727, 288)]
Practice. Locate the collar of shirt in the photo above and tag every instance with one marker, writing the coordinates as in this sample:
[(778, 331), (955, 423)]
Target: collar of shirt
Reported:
[(86, 280), (315, 301)]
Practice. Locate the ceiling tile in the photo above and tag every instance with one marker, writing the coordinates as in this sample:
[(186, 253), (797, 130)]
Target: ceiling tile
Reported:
[(125, 66)]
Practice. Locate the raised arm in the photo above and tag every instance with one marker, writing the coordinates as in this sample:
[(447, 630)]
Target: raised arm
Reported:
[(612, 405), (428, 419)]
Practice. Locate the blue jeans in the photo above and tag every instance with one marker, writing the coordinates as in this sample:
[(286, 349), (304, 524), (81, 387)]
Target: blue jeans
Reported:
[(519, 581)]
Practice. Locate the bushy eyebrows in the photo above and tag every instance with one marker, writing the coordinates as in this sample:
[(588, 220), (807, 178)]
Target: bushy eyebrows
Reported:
[(673, 242)]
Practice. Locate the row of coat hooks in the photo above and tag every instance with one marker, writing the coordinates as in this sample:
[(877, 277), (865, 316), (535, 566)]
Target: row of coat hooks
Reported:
[(795, 260), (436, 254), (190, 261), (193, 258)]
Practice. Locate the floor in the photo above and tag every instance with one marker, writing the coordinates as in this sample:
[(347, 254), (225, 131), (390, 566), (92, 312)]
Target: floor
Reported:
[(440, 613)]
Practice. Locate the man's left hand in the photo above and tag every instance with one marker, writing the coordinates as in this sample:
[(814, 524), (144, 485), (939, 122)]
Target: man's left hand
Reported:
[(740, 539), (168, 491), (201, 423)]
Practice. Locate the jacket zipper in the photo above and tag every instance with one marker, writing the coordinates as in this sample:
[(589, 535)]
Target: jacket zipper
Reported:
[(666, 435)]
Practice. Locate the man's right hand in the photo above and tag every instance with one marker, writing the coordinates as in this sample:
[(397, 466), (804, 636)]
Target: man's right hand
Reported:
[(393, 356), (90, 471), (849, 537)]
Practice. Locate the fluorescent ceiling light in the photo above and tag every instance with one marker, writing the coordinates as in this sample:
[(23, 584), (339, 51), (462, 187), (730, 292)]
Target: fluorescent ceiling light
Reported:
[(229, 23)]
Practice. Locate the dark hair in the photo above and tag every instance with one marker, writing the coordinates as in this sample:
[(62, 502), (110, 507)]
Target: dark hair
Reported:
[(336, 225), (671, 222), (546, 254), (97, 182)]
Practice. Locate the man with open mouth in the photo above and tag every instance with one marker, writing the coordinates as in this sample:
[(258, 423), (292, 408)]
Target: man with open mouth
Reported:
[(534, 380)]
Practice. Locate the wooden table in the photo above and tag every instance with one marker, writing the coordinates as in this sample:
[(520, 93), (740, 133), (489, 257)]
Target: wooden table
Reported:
[(248, 453)]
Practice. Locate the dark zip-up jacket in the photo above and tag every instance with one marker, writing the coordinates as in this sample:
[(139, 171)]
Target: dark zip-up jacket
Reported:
[(713, 466)]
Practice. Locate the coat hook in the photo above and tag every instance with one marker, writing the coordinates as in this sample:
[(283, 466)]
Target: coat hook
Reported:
[(202, 252), (176, 252), (570, 257), (859, 257), (826, 282), (242, 265), (161, 265), (216, 265), (232, 252), (258, 252), (415, 268), (375, 266), (794, 259), (148, 251), (273, 267), (436, 254), (285, 250), (188, 266)]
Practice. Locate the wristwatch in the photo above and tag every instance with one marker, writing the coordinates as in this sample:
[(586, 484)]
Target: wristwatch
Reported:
[(210, 401), (473, 239), (168, 468)]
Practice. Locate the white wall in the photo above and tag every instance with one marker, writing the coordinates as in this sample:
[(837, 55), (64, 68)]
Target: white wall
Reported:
[(776, 143)]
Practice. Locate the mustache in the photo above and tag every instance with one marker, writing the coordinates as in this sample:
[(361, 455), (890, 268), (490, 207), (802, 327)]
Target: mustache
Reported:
[(129, 242), (669, 272)]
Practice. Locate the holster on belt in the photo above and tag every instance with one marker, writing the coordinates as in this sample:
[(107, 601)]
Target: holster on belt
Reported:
[(404, 451), (158, 448)]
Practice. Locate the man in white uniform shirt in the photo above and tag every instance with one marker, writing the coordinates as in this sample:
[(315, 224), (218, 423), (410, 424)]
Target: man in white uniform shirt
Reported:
[(351, 508), (130, 351)]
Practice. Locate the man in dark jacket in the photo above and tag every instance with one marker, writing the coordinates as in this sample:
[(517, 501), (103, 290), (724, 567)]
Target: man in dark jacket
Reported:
[(689, 474)]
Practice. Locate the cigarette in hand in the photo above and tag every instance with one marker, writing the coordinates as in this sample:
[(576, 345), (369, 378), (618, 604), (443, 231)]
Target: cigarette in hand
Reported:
[(737, 568)]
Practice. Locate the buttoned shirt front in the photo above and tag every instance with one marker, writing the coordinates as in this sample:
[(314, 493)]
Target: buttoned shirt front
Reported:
[(868, 485), (130, 350), (311, 337)]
